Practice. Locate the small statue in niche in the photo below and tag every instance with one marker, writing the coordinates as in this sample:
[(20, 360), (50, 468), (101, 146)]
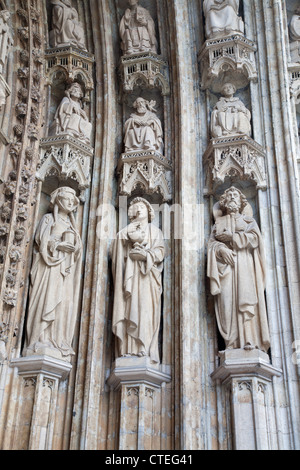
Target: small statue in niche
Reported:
[(295, 36), (70, 117), (143, 130), (67, 29), (137, 264), (222, 18), (55, 278), (295, 26), (230, 116), (6, 40), (137, 30), (236, 268)]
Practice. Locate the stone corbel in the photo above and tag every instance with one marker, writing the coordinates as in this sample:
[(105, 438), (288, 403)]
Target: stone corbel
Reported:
[(145, 69), (233, 57), (236, 157), (148, 169)]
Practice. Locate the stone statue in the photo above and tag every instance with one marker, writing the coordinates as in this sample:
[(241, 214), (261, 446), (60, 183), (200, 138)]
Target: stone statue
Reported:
[(137, 30), (230, 116), (222, 18), (70, 118), (67, 29), (55, 278), (137, 264), (236, 268), (295, 26), (143, 130), (6, 39)]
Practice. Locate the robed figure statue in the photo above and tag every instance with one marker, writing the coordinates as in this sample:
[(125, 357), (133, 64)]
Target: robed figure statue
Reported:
[(222, 18), (137, 264), (236, 268), (137, 30), (67, 29), (55, 278)]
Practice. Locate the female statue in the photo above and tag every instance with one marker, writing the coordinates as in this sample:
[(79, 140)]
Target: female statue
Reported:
[(137, 30), (137, 264), (230, 116), (67, 30), (55, 278), (70, 118), (143, 130), (222, 18)]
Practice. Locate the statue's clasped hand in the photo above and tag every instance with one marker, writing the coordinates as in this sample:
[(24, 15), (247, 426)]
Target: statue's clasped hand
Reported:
[(225, 237), (66, 247)]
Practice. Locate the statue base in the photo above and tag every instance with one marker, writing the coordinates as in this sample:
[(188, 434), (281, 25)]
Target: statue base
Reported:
[(246, 381), (231, 58), (237, 157), (145, 69), (147, 169), (139, 384)]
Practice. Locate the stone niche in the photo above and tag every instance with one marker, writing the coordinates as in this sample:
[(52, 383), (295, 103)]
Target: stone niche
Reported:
[(141, 63)]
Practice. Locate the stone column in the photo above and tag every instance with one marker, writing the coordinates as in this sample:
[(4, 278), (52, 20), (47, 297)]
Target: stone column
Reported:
[(40, 379), (138, 382), (246, 376)]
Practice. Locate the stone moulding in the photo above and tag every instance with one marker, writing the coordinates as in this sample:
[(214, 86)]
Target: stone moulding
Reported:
[(233, 56), (147, 69), (72, 62), (135, 370), (65, 157), (236, 157), (147, 169)]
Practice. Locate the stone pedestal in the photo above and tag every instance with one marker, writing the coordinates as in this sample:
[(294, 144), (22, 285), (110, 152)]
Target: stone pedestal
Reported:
[(40, 377), (66, 157), (145, 69), (232, 57), (246, 377), (237, 157), (294, 71), (147, 169), (138, 382)]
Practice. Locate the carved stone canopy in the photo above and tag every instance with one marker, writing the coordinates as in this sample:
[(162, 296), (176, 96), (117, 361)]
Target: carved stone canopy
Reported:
[(145, 69), (146, 169), (233, 57), (66, 158), (237, 158)]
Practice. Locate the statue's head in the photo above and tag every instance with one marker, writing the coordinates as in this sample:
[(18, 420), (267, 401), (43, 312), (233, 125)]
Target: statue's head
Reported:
[(140, 209), (142, 105), (133, 3), (228, 89), (75, 90), (233, 201), (5, 15), (65, 199)]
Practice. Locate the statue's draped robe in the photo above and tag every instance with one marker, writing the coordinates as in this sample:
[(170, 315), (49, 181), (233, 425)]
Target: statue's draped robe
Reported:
[(295, 28), (69, 122), (239, 290), (137, 294), (226, 120), (66, 27), (137, 31), (148, 136), (54, 291), (5, 42), (222, 17)]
